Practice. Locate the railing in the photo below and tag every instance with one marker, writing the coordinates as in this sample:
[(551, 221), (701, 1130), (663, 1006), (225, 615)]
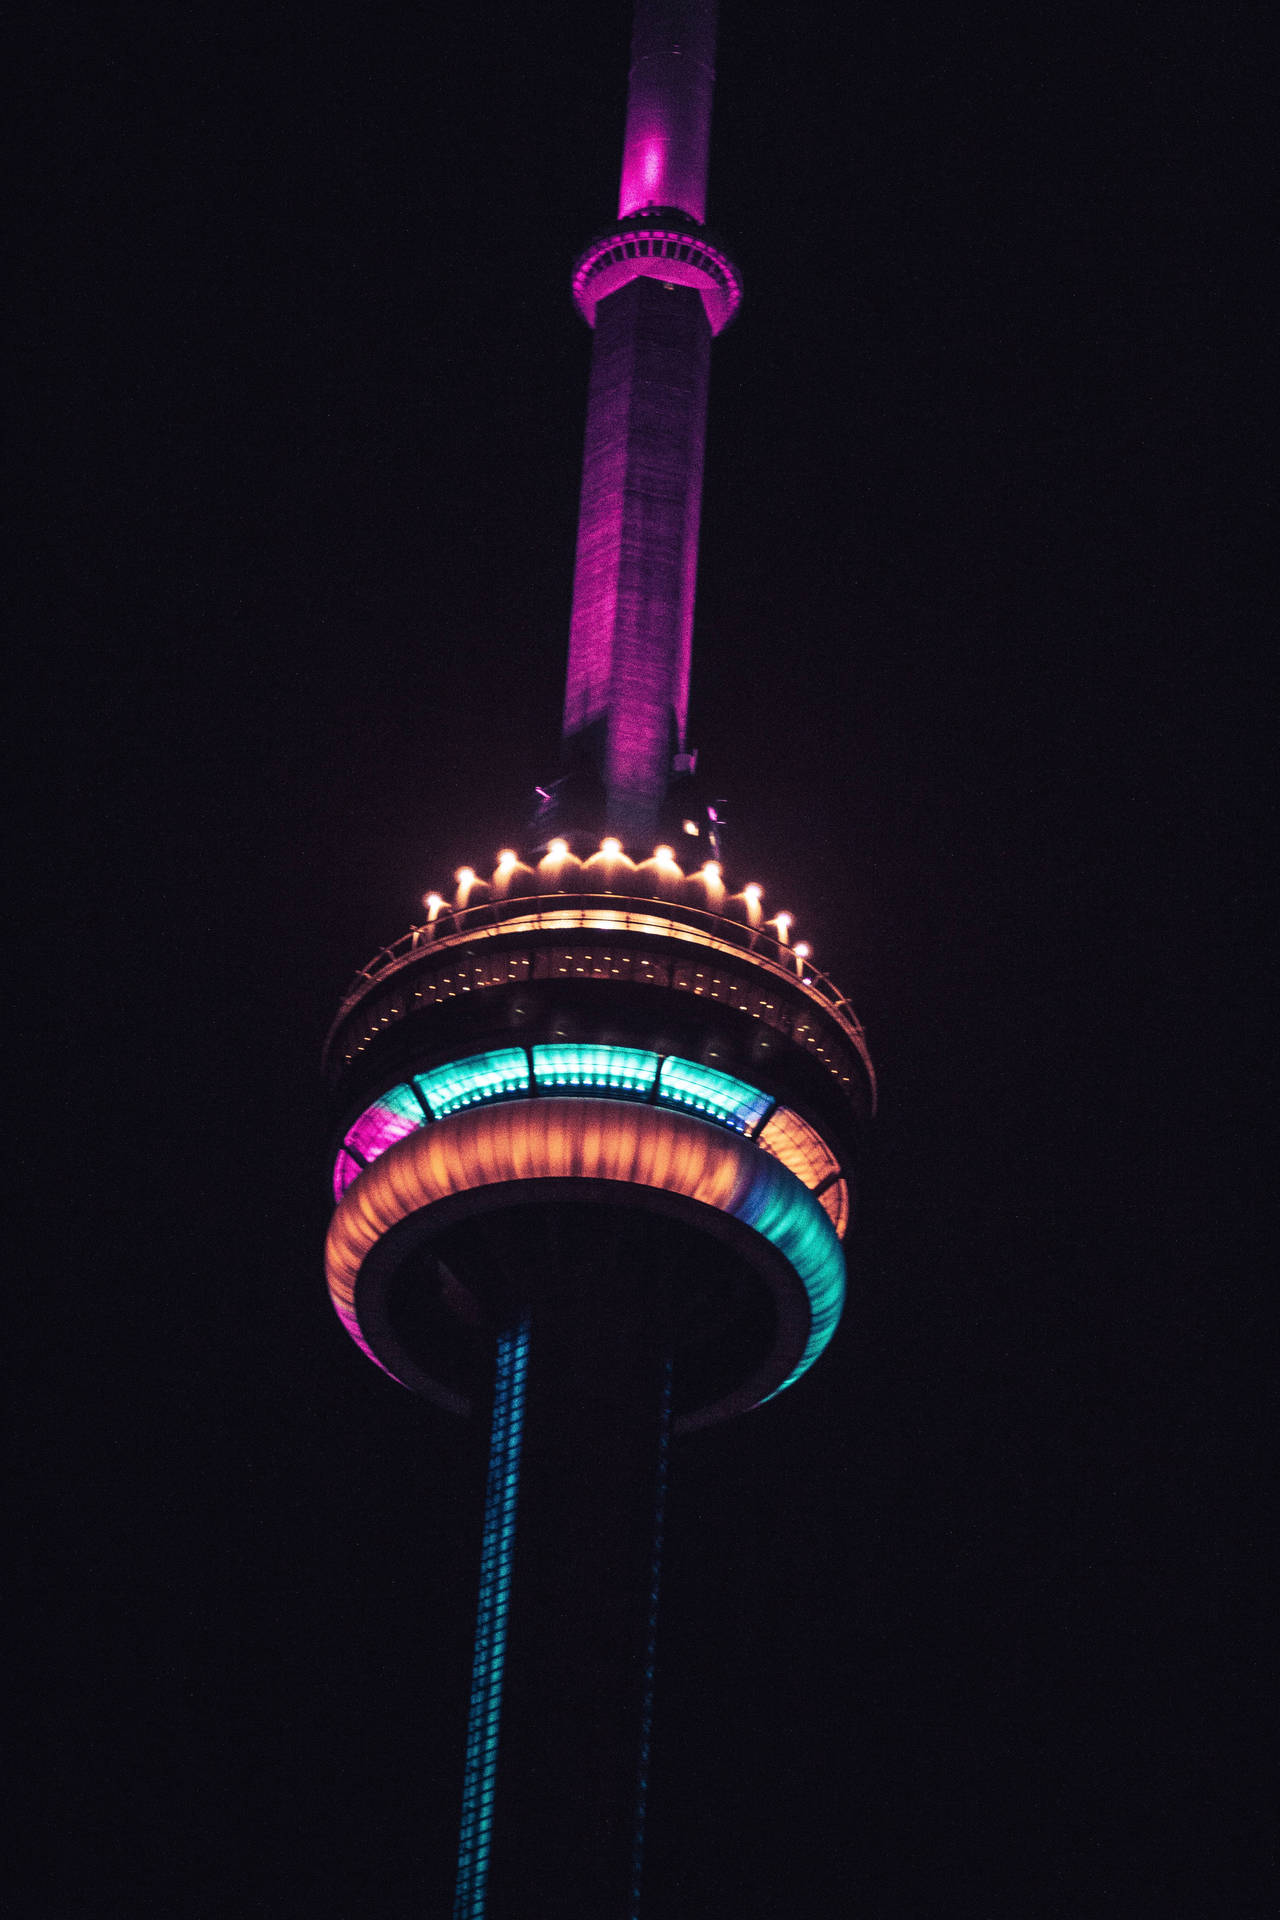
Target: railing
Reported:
[(607, 913)]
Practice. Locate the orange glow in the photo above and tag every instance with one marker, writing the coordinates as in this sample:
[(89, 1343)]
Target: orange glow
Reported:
[(608, 867), (527, 1140), (799, 1146), (782, 922), (709, 874), (803, 950), (751, 895), (691, 827), (509, 865), (433, 903), (835, 1204), (559, 849), (665, 855)]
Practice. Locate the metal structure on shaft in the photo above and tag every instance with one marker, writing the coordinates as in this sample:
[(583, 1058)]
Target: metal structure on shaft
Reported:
[(596, 1117)]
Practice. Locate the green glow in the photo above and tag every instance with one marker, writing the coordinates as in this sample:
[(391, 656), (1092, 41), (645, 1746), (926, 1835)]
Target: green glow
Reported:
[(716, 1095), (466, 1083), (600, 1069)]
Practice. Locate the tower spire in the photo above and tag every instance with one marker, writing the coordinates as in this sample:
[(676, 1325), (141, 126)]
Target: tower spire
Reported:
[(655, 289)]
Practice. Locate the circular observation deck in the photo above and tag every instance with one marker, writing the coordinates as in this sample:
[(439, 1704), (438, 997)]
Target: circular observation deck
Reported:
[(661, 243), (599, 1041)]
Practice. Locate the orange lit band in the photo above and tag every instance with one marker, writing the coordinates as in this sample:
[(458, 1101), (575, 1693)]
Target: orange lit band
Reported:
[(670, 1160)]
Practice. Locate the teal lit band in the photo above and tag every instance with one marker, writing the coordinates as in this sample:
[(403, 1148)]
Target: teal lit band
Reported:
[(464, 1083), (717, 1096), (491, 1624), (598, 1069), (806, 1238), (503, 1074)]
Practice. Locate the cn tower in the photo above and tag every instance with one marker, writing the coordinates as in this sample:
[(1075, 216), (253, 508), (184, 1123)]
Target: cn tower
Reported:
[(597, 1118)]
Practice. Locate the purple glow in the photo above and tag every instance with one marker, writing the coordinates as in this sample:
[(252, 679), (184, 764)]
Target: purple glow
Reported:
[(667, 253), (632, 622), (344, 1172), (386, 1121), (632, 625), (664, 150)]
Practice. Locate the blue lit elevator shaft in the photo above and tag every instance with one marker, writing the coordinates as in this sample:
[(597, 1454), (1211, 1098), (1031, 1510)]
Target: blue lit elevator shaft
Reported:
[(491, 1624)]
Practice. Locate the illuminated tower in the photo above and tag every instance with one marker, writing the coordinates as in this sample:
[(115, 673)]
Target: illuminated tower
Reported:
[(597, 1118)]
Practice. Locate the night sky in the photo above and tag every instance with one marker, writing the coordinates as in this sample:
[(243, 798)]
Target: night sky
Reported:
[(960, 1626)]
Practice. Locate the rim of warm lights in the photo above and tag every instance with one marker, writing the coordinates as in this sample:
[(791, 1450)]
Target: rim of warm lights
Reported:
[(536, 907)]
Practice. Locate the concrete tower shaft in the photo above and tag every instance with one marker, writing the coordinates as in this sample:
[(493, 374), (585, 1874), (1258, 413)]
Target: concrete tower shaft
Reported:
[(655, 290), (664, 150), (631, 637)]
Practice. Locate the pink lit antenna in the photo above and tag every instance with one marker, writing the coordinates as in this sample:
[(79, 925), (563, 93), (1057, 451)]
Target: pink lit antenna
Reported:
[(655, 289)]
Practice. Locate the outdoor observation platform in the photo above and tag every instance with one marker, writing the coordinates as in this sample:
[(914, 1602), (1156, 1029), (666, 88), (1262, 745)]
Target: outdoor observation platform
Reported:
[(659, 243), (587, 1073)]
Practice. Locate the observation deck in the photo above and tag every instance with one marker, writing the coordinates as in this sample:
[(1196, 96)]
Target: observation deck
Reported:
[(659, 243), (607, 1034)]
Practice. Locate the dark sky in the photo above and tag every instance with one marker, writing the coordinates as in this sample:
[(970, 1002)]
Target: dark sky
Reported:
[(959, 1627)]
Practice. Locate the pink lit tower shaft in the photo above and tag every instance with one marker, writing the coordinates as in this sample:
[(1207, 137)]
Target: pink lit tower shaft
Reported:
[(655, 289)]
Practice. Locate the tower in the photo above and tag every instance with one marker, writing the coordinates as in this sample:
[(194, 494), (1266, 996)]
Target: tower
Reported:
[(597, 1117)]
